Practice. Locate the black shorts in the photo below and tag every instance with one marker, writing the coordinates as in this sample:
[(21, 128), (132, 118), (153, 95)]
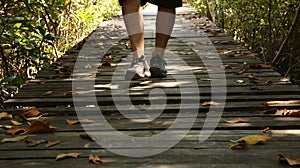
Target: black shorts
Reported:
[(162, 3)]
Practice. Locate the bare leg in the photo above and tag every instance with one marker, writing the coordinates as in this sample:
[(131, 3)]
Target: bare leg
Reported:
[(134, 22), (164, 26)]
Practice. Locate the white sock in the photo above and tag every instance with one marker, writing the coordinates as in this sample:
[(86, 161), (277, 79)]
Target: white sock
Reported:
[(138, 53)]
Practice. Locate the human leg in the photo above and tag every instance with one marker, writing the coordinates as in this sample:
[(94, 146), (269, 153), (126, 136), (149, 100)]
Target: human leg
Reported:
[(164, 25), (134, 22)]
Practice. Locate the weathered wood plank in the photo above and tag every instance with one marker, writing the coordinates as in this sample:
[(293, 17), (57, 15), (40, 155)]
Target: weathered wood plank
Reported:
[(124, 124)]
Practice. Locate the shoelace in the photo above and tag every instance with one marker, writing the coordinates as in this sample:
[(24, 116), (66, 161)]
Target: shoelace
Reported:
[(157, 60), (137, 60)]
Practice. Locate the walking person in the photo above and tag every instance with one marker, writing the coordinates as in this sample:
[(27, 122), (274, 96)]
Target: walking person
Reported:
[(134, 22)]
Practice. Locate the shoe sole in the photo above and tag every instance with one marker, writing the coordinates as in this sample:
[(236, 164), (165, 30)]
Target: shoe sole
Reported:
[(157, 72), (131, 75)]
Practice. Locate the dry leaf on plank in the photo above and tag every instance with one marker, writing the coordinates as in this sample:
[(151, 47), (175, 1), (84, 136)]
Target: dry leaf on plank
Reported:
[(282, 103), (234, 121), (291, 162), (5, 115), (30, 113), (95, 159), (6, 126), (14, 139), (32, 143), (73, 122), (40, 127), (285, 112), (252, 139), (251, 76), (266, 130), (16, 123), (210, 103), (68, 93), (241, 71), (15, 131), (50, 144), (67, 155), (242, 145), (49, 92)]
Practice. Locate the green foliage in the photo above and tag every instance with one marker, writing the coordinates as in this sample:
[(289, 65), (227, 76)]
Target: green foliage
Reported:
[(199, 5), (35, 33), (261, 25)]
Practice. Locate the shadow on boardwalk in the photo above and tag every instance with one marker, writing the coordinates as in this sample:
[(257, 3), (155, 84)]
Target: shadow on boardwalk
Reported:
[(253, 92)]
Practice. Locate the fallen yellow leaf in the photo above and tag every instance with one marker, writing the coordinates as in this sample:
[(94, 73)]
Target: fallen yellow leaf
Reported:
[(16, 123), (234, 121), (286, 112), (291, 162), (252, 139), (210, 103), (30, 113), (282, 103), (251, 76), (266, 130), (14, 139), (48, 93), (68, 93), (67, 155), (5, 115), (50, 144), (73, 122), (6, 126), (95, 159), (241, 72), (242, 145), (104, 86)]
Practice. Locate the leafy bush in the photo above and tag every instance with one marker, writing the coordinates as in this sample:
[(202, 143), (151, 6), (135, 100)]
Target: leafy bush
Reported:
[(262, 26), (35, 33)]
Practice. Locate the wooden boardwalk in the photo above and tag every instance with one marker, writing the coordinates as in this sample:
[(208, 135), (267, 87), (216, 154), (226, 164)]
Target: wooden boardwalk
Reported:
[(253, 92)]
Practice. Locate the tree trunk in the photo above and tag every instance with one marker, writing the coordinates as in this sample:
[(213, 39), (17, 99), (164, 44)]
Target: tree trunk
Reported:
[(286, 40), (209, 15), (213, 10)]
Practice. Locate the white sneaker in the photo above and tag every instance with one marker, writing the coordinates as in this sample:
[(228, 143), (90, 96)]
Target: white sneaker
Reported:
[(139, 69)]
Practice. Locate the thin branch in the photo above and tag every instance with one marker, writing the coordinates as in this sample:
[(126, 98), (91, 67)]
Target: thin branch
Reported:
[(284, 43)]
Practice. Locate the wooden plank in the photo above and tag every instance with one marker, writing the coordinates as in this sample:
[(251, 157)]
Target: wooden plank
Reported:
[(124, 124), (70, 111), (183, 161), (71, 140), (143, 90), (173, 156), (121, 99)]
